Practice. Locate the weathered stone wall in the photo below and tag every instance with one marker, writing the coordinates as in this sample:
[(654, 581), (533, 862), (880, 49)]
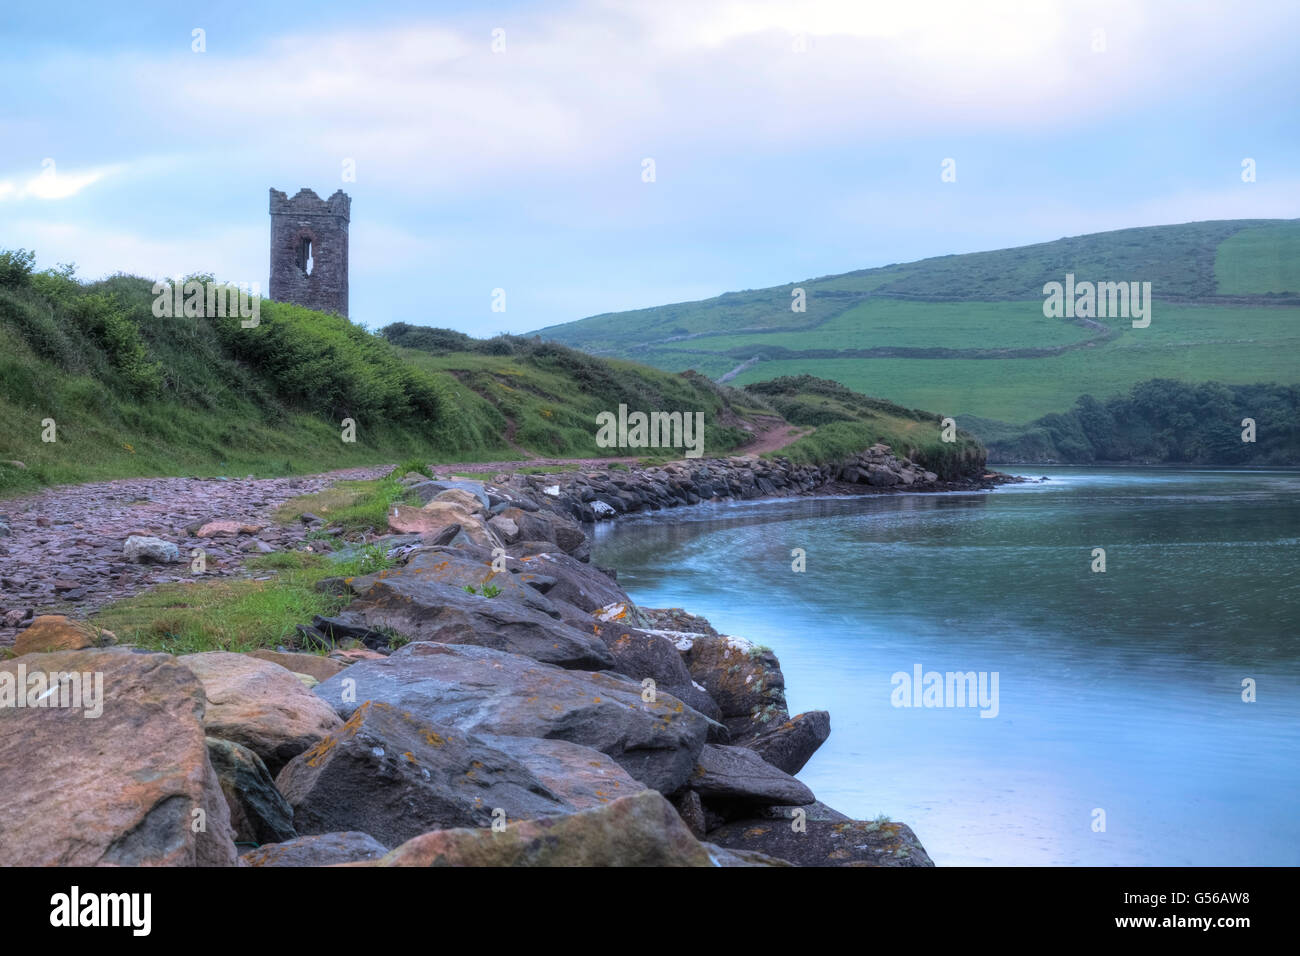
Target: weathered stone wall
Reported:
[(322, 223)]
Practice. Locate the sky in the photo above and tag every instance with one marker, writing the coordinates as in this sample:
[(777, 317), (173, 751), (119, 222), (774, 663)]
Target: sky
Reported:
[(504, 145)]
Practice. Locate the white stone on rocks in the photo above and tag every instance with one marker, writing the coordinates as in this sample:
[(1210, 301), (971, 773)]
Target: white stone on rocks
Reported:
[(141, 548), (682, 640)]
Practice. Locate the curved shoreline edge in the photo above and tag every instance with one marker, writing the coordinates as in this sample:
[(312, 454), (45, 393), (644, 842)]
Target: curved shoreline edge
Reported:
[(502, 691)]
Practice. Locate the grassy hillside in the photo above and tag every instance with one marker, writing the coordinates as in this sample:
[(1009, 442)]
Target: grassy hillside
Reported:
[(133, 394), (847, 422), (546, 397), (966, 336)]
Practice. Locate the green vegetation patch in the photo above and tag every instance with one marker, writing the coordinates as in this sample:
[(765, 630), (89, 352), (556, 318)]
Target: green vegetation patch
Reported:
[(847, 422), (1263, 260), (233, 614)]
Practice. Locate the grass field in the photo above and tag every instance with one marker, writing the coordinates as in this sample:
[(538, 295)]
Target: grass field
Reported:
[(1226, 308), (1012, 390), (893, 323), (1259, 261)]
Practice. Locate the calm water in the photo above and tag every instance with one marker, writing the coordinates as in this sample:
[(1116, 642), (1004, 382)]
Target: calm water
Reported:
[(1119, 691)]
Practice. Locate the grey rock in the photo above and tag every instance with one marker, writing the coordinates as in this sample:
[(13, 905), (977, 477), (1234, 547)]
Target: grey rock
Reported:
[(324, 849), (745, 681), (413, 602), (258, 813), (790, 744), (394, 775), (691, 810), (737, 774), (577, 582), (483, 691), (825, 843), (578, 775)]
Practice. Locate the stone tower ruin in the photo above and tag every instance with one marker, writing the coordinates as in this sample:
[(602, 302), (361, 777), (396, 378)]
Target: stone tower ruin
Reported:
[(309, 250)]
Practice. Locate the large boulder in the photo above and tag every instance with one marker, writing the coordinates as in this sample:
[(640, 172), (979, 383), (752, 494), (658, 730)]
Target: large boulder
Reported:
[(260, 705), (55, 632), (483, 691), (313, 665), (638, 830), (805, 841), (505, 529), (413, 602), (258, 812), (790, 744), (128, 785), (462, 569), (323, 849), (394, 775), (577, 582), (641, 654), (735, 774), (745, 680), (566, 534), (581, 777), (470, 501), (426, 491), (437, 517)]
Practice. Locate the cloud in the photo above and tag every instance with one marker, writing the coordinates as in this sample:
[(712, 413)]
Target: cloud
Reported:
[(50, 184), (791, 139), (236, 254), (429, 107)]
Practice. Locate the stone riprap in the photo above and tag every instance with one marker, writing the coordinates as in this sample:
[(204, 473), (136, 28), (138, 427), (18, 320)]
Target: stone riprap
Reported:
[(493, 698), (600, 494)]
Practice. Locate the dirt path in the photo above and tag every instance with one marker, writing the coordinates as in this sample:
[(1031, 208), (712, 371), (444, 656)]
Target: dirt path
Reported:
[(63, 553), (63, 550), (772, 434)]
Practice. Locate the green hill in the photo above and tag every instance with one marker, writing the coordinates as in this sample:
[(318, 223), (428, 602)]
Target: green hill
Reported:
[(966, 334), (134, 394)]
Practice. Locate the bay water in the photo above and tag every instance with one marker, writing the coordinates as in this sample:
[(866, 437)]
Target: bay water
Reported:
[(1120, 735)]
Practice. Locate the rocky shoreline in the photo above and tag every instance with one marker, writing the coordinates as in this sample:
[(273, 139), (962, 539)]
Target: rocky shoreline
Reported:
[(491, 699), (593, 495)]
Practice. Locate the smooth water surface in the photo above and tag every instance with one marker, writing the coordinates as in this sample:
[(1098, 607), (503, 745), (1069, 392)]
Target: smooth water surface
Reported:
[(1118, 691)]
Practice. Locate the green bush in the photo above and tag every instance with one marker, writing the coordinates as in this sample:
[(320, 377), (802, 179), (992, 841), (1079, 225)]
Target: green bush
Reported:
[(107, 322), (35, 321), (337, 368), (1163, 421), (16, 266)]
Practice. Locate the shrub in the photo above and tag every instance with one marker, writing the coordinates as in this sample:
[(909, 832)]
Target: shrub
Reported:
[(102, 317), (16, 266)]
